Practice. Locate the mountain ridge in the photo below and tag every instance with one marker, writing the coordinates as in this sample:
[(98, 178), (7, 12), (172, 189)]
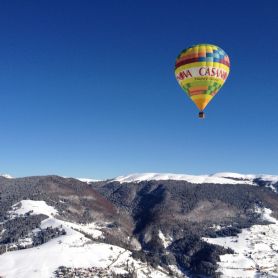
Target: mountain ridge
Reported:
[(165, 225)]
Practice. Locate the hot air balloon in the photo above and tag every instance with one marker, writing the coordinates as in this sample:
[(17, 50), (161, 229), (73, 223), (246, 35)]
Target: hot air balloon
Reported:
[(201, 70)]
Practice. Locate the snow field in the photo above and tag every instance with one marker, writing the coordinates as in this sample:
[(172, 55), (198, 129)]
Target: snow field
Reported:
[(70, 250), (256, 250)]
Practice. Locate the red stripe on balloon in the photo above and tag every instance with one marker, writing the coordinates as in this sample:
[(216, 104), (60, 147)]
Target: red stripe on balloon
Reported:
[(188, 61)]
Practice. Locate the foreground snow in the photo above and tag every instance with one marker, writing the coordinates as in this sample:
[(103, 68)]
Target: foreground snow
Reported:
[(35, 207), (256, 251), (70, 250)]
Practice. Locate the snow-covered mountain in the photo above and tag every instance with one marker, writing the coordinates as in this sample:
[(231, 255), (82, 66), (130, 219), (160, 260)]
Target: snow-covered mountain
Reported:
[(7, 176), (140, 225), (218, 178), (88, 180), (270, 181)]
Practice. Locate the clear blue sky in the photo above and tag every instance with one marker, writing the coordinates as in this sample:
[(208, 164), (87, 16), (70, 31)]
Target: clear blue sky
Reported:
[(88, 88)]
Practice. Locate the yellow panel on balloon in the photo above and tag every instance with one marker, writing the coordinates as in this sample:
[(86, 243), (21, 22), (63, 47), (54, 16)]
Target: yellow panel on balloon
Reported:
[(201, 101)]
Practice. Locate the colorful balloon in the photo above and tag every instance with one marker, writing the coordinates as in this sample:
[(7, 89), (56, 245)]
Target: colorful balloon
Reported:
[(201, 70)]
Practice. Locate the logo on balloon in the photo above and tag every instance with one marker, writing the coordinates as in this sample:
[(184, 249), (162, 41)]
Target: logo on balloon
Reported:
[(202, 71)]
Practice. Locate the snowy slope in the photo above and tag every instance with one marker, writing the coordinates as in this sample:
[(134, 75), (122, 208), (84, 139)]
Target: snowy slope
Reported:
[(37, 207), (189, 178), (7, 176), (218, 178), (87, 180), (70, 250), (256, 251)]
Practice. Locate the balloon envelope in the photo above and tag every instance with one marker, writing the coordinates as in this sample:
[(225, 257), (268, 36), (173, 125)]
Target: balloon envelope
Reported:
[(201, 70)]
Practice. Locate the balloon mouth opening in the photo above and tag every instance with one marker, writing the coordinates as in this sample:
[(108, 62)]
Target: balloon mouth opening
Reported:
[(201, 115)]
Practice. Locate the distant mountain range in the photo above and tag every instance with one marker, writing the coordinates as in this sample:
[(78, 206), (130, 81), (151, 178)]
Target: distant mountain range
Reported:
[(140, 225)]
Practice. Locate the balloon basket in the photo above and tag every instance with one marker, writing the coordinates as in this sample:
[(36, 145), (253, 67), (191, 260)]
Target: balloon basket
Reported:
[(201, 115)]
